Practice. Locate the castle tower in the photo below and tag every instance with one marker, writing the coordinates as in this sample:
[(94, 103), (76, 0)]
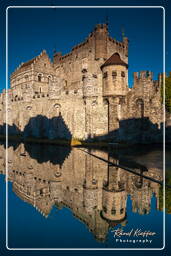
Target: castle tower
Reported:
[(101, 34), (115, 76), (115, 81), (90, 99)]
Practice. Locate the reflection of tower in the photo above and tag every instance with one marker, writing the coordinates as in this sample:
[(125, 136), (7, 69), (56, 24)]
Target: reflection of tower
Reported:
[(114, 197), (100, 228), (56, 187), (90, 188), (94, 221)]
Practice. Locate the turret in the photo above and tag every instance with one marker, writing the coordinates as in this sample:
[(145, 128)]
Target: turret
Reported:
[(101, 34), (114, 205), (115, 76)]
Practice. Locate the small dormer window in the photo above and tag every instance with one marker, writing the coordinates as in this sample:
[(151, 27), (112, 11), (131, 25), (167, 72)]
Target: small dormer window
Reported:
[(105, 75), (114, 74), (122, 74)]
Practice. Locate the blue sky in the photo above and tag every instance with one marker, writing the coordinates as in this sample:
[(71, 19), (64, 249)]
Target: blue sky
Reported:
[(32, 30)]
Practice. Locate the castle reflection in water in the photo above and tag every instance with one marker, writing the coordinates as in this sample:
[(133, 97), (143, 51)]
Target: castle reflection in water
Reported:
[(95, 191)]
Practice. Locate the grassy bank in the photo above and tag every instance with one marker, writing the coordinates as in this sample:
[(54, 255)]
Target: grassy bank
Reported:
[(73, 142)]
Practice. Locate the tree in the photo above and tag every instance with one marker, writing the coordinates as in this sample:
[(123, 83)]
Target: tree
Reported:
[(168, 93)]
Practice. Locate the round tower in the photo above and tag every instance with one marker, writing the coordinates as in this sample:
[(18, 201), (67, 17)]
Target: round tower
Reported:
[(114, 205), (115, 76), (114, 197)]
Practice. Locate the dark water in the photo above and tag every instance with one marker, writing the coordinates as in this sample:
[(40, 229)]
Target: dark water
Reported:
[(66, 198)]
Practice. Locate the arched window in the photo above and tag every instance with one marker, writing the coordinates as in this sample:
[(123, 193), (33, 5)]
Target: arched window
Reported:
[(114, 74), (122, 74), (105, 75), (121, 211), (39, 78), (49, 79)]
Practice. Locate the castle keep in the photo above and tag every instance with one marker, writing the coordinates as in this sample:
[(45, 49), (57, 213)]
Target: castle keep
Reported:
[(84, 94)]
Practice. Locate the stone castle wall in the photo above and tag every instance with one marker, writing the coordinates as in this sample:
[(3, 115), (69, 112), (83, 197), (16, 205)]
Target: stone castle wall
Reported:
[(67, 98)]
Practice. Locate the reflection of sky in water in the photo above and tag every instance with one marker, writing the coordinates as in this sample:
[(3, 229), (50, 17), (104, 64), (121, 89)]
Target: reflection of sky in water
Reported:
[(29, 228)]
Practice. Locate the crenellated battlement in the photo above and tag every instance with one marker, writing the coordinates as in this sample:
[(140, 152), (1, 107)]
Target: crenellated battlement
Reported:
[(142, 76), (146, 77)]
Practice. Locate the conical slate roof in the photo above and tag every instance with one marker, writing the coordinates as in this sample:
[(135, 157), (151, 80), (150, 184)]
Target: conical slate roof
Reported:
[(114, 60)]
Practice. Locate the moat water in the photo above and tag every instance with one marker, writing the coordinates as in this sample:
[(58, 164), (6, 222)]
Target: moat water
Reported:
[(59, 197)]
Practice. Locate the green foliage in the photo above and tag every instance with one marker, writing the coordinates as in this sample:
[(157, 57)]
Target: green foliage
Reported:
[(167, 93), (167, 194), (168, 200)]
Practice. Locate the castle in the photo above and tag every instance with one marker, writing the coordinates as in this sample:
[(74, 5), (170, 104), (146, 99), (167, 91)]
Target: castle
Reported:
[(84, 94)]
